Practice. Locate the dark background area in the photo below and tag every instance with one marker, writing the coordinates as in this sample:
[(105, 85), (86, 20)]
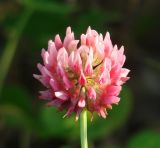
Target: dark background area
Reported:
[(25, 28)]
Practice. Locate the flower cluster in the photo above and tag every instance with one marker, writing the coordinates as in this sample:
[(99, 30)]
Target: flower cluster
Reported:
[(85, 74)]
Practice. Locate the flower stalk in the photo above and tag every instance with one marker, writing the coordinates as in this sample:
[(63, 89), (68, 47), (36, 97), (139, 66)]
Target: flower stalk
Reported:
[(83, 129)]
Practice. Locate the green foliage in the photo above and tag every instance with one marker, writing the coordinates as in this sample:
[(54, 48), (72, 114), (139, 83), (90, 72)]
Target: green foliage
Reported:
[(17, 96), (47, 6), (16, 107), (44, 30), (13, 116), (145, 139), (96, 19), (13, 40), (46, 25), (53, 124)]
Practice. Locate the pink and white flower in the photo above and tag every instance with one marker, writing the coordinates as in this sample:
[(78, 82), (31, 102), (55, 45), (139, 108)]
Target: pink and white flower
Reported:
[(85, 76)]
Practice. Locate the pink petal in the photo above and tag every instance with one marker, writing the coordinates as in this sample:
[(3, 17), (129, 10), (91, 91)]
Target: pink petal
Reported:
[(61, 95), (100, 37), (68, 38), (94, 33), (113, 90), (67, 82), (99, 46), (121, 56), (111, 100), (58, 42), (47, 95), (122, 60), (83, 49), (81, 102), (62, 57), (82, 79), (77, 62), (44, 71), (124, 72), (91, 93), (114, 55), (73, 45), (68, 30), (102, 113), (108, 44), (60, 69), (36, 76), (121, 51), (52, 48), (40, 68), (61, 72), (88, 67), (71, 59), (54, 84), (69, 111), (107, 37), (83, 39), (89, 31), (104, 77), (45, 56), (125, 78), (107, 64), (115, 72), (52, 52), (56, 102), (43, 80)]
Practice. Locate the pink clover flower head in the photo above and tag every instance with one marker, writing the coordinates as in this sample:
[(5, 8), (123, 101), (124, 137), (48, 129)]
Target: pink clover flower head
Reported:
[(86, 74)]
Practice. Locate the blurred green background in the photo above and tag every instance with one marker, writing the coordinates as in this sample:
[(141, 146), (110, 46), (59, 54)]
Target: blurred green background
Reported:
[(25, 28)]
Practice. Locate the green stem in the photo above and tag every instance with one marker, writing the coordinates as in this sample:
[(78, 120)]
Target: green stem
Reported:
[(11, 45), (83, 128)]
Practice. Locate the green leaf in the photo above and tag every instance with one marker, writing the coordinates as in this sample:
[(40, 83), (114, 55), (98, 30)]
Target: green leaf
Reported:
[(145, 139)]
